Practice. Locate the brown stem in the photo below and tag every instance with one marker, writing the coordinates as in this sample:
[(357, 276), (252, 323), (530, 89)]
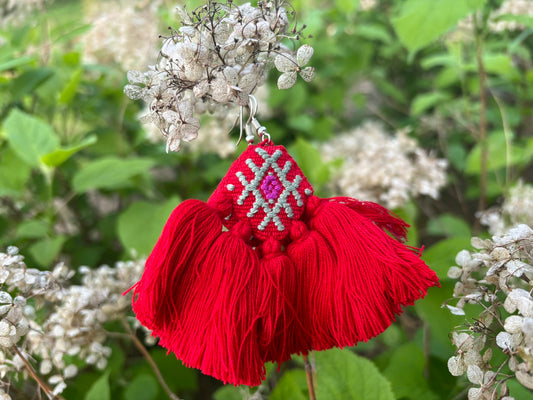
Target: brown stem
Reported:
[(482, 123), (150, 360), (309, 374), (42, 384)]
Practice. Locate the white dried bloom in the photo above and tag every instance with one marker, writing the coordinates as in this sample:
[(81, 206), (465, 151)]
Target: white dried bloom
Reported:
[(17, 12), (383, 168), (218, 58), (508, 8), (498, 276), (366, 5), (122, 33), (517, 208), (74, 315)]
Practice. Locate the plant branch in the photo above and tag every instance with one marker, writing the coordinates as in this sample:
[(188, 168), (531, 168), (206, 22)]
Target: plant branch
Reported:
[(482, 132), (150, 360), (309, 374), (42, 384)]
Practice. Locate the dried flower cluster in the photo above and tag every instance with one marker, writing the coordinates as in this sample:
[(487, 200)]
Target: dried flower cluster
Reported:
[(15, 12), (388, 169), (510, 8), (517, 208), (218, 57), (71, 319), (498, 277), (122, 33)]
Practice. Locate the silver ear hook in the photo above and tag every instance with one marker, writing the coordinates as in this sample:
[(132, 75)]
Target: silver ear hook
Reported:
[(252, 125)]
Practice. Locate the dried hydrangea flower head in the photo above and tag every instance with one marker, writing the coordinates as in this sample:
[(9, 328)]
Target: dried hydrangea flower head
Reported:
[(383, 168), (498, 277), (218, 57)]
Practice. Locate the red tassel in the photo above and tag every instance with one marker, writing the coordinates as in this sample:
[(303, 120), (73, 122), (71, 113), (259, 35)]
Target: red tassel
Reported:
[(281, 330), (198, 295), (365, 275)]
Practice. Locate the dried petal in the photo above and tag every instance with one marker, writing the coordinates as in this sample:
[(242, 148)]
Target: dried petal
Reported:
[(504, 341), (5, 298), (456, 366), (513, 324), (287, 80), (474, 374), (285, 63), (455, 272), (304, 54), (524, 376), (455, 310), (474, 394), (307, 74)]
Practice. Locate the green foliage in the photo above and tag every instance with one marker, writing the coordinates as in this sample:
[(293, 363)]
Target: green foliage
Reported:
[(420, 22), (342, 375), (100, 389), (80, 181)]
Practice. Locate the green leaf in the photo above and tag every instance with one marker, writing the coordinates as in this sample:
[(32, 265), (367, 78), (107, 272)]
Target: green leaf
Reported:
[(500, 153), (178, 377), (14, 174), (425, 101), (342, 375), (293, 385), (100, 389), (449, 225), (420, 22), (16, 62), (373, 32), (140, 225), (46, 250), (142, 387), (29, 81), (29, 137), (310, 161), (228, 392), (61, 155), (110, 173), (68, 92), (405, 371), (32, 229), (441, 256)]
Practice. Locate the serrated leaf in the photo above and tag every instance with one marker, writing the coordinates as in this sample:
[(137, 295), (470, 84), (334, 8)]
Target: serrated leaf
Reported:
[(110, 173), (420, 22), (29, 137), (342, 375), (100, 389), (140, 225), (61, 155)]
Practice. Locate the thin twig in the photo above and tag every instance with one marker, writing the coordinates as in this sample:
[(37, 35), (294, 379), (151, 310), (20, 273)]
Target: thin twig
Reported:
[(482, 121), (150, 360), (309, 374), (42, 384)]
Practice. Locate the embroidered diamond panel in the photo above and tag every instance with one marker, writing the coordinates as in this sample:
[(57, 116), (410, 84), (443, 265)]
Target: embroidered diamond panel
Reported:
[(267, 188)]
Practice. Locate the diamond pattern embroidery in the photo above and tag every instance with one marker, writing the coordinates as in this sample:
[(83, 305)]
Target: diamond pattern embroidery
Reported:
[(270, 189)]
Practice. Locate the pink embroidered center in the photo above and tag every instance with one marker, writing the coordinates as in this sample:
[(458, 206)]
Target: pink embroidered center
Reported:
[(271, 187)]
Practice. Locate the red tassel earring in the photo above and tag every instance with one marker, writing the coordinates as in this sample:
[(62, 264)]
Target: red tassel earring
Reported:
[(292, 273)]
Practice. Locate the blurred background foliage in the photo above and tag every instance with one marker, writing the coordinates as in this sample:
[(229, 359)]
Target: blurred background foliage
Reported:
[(83, 181)]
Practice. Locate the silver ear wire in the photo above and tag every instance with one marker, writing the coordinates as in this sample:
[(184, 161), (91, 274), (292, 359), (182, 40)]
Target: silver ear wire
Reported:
[(252, 127)]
